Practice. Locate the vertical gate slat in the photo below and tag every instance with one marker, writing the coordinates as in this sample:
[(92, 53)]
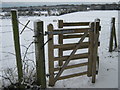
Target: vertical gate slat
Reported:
[(60, 25), (51, 56), (98, 31), (90, 51)]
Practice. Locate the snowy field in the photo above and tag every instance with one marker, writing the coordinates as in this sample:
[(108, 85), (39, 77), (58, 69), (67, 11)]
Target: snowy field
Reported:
[(108, 69)]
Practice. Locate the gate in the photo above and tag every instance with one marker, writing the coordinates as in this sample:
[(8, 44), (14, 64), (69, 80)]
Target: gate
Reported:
[(89, 30)]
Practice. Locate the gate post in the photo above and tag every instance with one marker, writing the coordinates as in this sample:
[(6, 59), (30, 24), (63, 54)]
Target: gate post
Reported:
[(39, 53), (95, 51), (51, 56)]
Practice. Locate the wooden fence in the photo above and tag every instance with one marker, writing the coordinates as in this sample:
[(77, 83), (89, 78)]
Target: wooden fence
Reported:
[(90, 31)]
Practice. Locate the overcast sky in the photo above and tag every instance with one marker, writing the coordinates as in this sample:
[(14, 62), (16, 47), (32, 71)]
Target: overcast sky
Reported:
[(59, 0)]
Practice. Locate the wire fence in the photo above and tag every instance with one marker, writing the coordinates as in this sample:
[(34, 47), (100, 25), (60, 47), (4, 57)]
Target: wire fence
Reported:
[(8, 53)]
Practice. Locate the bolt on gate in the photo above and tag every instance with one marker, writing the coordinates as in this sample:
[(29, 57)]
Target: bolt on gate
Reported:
[(91, 32)]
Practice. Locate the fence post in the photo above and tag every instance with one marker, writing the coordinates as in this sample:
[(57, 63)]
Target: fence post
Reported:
[(17, 44), (51, 56), (39, 53), (91, 46), (112, 35), (60, 25)]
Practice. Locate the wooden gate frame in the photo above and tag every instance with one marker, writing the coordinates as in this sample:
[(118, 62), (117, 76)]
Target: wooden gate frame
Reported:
[(92, 32)]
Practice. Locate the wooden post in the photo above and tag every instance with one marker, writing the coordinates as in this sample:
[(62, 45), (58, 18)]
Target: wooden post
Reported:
[(39, 53), (60, 25), (114, 32), (51, 56), (91, 46), (17, 44), (112, 35), (95, 51), (98, 33)]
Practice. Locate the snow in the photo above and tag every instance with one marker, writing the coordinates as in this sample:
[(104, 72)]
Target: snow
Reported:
[(54, 12), (3, 13), (36, 12), (108, 69), (44, 12)]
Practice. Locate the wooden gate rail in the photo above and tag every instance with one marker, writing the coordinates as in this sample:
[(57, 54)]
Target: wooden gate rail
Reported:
[(71, 46), (76, 24), (73, 36), (76, 56), (72, 66), (91, 32)]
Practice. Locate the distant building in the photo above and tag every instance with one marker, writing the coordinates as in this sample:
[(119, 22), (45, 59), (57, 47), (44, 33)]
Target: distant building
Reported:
[(44, 13), (95, 7), (88, 8), (36, 13)]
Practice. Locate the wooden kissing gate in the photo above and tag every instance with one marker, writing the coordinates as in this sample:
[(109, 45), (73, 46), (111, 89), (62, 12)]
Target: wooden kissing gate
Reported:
[(91, 32)]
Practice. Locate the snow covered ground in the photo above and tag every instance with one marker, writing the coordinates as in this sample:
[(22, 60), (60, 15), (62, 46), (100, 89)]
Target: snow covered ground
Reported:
[(108, 69)]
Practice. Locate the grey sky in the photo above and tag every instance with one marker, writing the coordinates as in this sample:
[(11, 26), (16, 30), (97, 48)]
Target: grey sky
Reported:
[(59, 0)]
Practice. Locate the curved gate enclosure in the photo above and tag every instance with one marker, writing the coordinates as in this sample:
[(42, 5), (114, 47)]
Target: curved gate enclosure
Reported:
[(85, 30)]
